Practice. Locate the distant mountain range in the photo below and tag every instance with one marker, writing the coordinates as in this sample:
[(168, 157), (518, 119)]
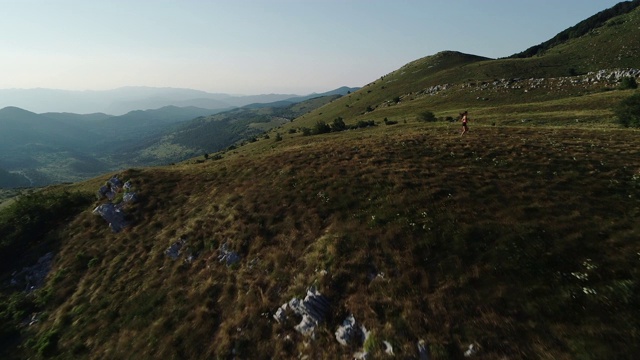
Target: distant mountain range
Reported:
[(123, 100), (52, 147)]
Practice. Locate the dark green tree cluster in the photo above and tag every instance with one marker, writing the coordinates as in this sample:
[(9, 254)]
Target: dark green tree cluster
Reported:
[(628, 111), (427, 116), (628, 83), (338, 125), (389, 122), (321, 128), (26, 227), (26, 222)]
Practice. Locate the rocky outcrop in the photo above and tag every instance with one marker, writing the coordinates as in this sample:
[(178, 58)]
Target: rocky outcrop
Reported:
[(113, 213), (313, 309)]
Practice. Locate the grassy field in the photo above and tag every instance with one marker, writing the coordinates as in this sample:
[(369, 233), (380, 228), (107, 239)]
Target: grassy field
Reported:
[(521, 240)]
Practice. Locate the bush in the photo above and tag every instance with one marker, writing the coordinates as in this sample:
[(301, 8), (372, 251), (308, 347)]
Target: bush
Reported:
[(628, 83), (306, 131), (427, 116), (628, 111), (321, 128), (338, 124), (24, 224), (278, 137), (47, 345), (364, 124)]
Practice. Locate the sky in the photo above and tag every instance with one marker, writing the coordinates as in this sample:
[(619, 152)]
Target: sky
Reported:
[(248, 47)]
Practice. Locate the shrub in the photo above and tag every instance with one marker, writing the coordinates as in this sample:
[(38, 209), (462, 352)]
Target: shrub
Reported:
[(628, 83), (364, 124), (47, 344), (628, 111), (321, 128), (25, 223), (338, 124), (427, 116), (278, 137)]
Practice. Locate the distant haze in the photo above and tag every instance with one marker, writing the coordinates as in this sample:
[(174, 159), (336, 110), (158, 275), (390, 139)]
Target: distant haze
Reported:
[(122, 100), (255, 46)]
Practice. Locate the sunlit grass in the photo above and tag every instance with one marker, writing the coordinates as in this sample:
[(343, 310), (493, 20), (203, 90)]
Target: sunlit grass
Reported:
[(418, 232)]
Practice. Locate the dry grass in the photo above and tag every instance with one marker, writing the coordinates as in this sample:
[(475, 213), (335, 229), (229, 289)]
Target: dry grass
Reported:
[(420, 233)]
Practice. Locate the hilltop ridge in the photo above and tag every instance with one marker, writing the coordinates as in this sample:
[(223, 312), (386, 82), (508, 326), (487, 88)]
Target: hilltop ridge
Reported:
[(582, 28)]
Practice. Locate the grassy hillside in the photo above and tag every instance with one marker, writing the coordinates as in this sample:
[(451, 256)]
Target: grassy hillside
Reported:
[(213, 133), (582, 28), (520, 240), (450, 82), (516, 240)]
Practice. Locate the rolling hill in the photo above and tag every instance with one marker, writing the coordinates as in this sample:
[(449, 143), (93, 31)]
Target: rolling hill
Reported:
[(517, 240), (61, 147)]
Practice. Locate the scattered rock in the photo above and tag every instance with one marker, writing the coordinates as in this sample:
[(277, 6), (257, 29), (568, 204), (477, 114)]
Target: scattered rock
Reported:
[(113, 215), (105, 191), (35, 318), (388, 349), (129, 197), (348, 331), (115, 183), (313, 309), (471, 350), (423, 350), (361, 355), (281, 313), (174, 250), (32, 277), (228, 256)]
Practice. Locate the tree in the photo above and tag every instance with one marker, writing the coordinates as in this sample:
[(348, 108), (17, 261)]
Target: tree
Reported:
[(628, 111), (321, 128), (338, 124), (628, 83), (427, 116)]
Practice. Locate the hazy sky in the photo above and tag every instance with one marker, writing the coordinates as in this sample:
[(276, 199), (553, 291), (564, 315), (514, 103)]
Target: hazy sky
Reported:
[(258, 46)]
